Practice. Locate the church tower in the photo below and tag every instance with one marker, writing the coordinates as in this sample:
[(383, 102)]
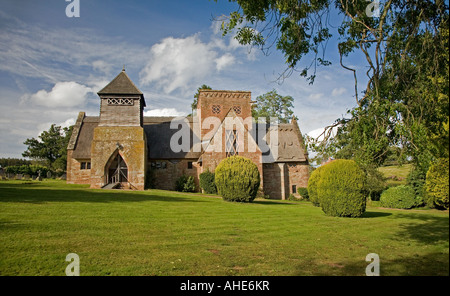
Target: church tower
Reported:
[(118, 150)]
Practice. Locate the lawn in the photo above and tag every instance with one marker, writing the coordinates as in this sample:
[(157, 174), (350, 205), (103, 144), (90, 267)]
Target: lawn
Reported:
[(166, 233), (396, 175)]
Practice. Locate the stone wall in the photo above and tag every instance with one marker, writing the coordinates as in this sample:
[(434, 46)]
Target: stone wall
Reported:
[(279, 178), (216, 151), (298, 175), (75, 175), (165, 173), (130, 143), (214, 103)]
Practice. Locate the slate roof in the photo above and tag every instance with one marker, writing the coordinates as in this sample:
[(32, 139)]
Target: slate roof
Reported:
[(290, 143), (85, 135), (159, 134), (121, 85)]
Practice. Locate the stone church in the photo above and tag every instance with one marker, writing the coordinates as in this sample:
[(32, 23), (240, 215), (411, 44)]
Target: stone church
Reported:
[(121, 148)]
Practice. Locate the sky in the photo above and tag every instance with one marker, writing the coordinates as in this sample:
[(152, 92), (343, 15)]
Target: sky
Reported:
[(52, 65)]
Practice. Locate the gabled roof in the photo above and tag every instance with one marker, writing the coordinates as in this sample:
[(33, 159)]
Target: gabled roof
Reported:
[(290, 143), (121, 85)]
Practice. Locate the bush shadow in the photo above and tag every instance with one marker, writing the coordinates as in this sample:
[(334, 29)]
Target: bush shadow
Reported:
[(369, 214)]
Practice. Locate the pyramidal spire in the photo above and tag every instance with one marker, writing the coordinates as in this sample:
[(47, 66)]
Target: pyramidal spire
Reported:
[(122, 84)]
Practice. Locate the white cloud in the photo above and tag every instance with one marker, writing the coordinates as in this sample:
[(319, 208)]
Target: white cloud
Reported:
[(316, 96), (225, 61), (69, 122), (102, 66), (63, 94), (318, 134), (184, 63), (338, 91), (165, 112), (177, 62)]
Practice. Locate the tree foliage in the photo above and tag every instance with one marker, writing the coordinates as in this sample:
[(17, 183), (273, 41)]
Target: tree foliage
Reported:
[(437, 184), (197, 94), (5, 162), (405, 48), (51, 146), (274, 105)]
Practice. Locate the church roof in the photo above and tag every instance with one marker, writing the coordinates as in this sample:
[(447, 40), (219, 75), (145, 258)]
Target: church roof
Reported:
[(158, 132), (121, 85)]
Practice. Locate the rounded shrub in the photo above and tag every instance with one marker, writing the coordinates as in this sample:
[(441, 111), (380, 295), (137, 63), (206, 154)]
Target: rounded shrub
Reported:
[(237, 179), (340, 189), (312, 186), (185, 184), (303, 192), (437, 185), (399, 197), (207, 182)]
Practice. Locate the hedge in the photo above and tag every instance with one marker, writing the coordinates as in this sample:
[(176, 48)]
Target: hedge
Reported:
[(237, 179), (32, 170), (340, 189)]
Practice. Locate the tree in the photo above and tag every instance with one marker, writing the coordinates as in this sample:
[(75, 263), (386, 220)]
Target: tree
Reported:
[(51, 146), (405, 47), (272, 104), (194, 104)]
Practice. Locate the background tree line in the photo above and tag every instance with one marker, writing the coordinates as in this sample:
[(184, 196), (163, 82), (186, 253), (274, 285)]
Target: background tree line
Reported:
[(46, 153)]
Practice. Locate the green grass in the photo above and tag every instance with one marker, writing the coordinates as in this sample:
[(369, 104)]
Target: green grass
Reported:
[(167, 233), (396, 175)]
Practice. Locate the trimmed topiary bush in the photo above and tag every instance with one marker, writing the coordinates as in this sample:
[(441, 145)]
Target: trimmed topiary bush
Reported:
[(312, 186), (437, 185), (340, 189), (207, 182), (237, 179), (399, 197)]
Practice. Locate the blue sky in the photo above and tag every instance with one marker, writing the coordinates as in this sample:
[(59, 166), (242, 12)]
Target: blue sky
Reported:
[(51, 66)]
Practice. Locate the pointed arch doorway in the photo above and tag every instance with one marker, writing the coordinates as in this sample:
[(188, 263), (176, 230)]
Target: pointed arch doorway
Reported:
[(116, 170)]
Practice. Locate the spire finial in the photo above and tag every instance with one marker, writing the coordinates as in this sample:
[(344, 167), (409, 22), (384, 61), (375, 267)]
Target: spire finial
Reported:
[(123, 69)]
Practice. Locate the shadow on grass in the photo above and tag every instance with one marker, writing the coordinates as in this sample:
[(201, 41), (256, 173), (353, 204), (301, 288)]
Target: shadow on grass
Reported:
[(432, 264), (375, 214), (272, 202), (425, 229), (37, 193)]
